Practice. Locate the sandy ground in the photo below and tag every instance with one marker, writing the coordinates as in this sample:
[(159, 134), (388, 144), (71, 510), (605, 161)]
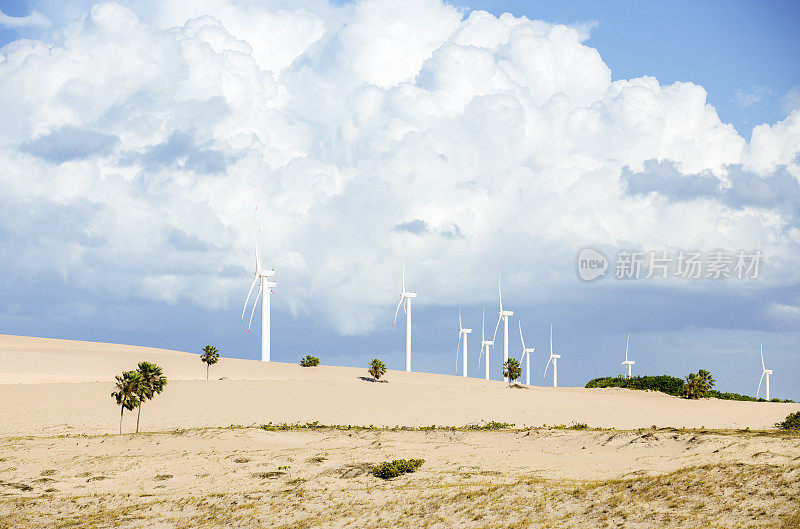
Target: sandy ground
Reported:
[(49, 389), (248, 477), (202, 460)]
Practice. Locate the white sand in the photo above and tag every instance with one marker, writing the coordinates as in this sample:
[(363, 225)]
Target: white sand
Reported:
[(60, 386)]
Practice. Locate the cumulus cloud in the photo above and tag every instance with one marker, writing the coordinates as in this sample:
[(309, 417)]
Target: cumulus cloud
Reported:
[(365, 132)]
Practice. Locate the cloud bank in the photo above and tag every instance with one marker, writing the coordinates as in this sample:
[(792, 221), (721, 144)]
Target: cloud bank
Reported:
[(137, 142)]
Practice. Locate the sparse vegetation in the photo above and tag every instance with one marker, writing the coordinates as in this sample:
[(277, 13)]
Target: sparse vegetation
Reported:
[(210, 357), (792, 422), (127, 393), (511, 370), (392, 469), (151, 383), (698, 385), (377, 369), (309, 361)]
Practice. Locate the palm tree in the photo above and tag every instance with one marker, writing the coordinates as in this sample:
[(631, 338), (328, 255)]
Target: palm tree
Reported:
[(210, 356), (377, 369), (511, 370), (151, 384), (127, 394)]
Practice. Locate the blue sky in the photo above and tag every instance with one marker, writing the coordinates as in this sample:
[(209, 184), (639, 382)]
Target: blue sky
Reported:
[(139, 141)]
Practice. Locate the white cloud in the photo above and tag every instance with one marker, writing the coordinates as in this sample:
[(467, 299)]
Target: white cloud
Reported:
[(363, 132), (748, 98)]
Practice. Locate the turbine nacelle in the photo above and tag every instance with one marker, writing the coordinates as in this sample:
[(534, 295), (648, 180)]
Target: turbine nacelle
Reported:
[(504, 313)]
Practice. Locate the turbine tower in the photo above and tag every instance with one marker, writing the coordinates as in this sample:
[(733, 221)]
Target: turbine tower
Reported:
[(526, 354), (764, 372), (503, 315), (462, 332), (265, 286), (627, 362), (485, 344), (405, 301), (554, 359)]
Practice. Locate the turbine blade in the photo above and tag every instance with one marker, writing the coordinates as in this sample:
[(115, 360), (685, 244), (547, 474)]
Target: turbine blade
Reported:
[(459, 319), (458, 349), (521, 339), (496, 327), (402, 299), (763, 367), (759, 384), (548, 365), (249, 292), (626, 346), (404, 276), (255, 302), (483, 324), (500, 289), (551, 339)]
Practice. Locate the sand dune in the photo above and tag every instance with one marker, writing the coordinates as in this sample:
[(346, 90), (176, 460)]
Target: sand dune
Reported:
[(41, 395), (59, 467)]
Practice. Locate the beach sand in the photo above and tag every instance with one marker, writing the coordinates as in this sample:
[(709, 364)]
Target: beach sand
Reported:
[(203, 460)]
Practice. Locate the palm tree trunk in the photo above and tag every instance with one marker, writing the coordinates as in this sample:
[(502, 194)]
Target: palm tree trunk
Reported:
[(207, 366), (137, 418), (121, 411)]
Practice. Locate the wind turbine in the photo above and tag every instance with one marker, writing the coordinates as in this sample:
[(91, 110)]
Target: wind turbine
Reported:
[(764, 372), (264, 287), (627, 362), (405, 301), (503, 315), (554, 359), (462, 332), (526, 353), (485, 344)]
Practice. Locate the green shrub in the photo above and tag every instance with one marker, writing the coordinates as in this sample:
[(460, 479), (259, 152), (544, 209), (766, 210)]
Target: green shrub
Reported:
[(377, 369), (663, 383), (309, 361), (392, 469), (792, 422)]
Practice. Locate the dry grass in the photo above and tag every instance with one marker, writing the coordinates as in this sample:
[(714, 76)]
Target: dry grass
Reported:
[(285, 487)]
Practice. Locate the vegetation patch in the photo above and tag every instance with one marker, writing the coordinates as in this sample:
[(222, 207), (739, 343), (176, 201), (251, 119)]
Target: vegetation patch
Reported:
[(792, 422), (663, 383), (671, 386), (309, 361), (392, 469)]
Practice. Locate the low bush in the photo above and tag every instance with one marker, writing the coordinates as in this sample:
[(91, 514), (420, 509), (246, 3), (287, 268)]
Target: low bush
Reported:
[(792, 422), (392, 469), (309, 361), (663, 383)]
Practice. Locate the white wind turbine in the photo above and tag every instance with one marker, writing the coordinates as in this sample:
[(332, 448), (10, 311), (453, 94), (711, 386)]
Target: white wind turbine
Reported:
[(627, 362), (526, 353), (462, 332), (264, 287), (405, 301), (554, 359), (485, 344), (764, 372), (503, 315)]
